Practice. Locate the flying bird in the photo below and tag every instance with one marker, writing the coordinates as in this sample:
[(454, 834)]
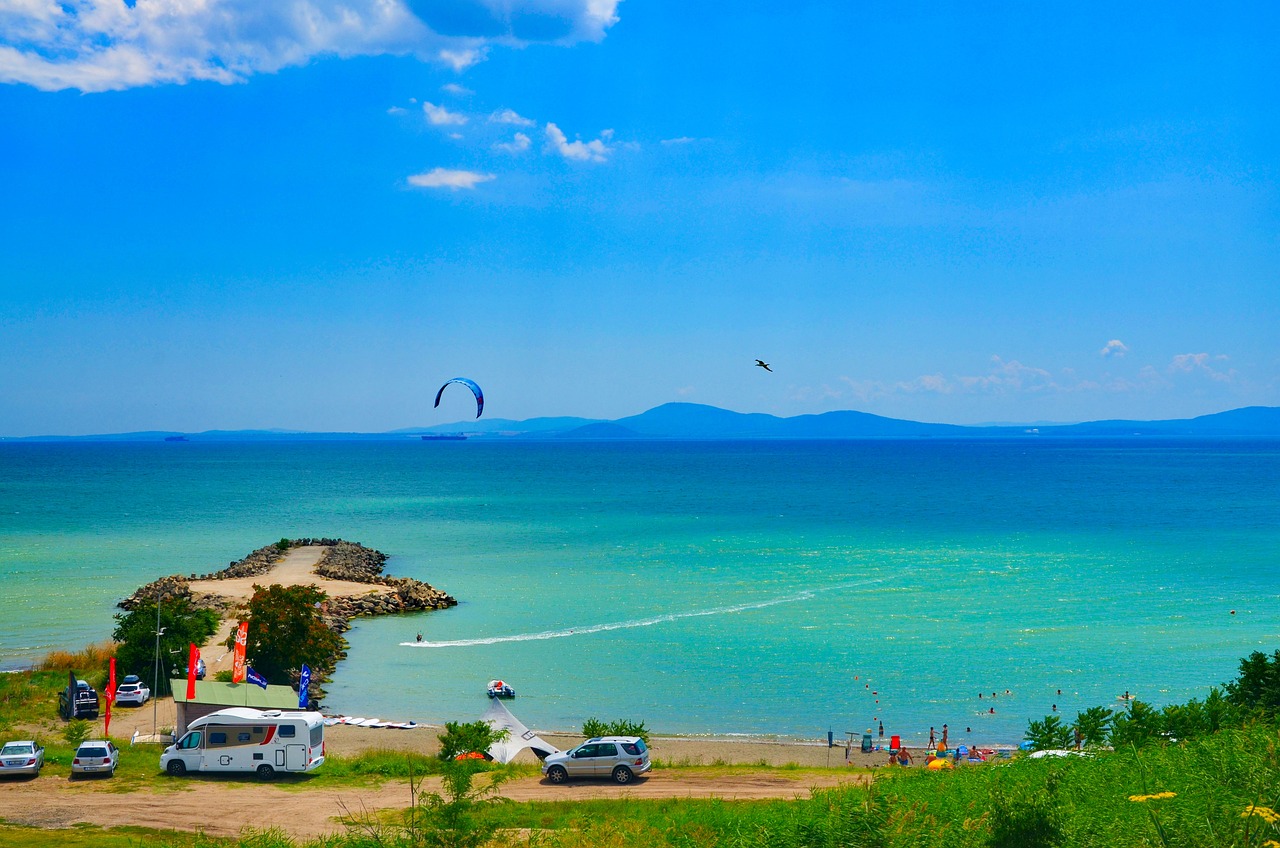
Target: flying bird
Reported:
[(764, 365)]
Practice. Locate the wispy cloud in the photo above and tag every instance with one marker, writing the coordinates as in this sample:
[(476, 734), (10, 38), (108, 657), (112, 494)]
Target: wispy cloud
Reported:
[(442, 117), (449, 178), (105, 45), (1204, 364), (510, 116), (456, 90), (397, 110), (1115, 348), (519, 144), (596, 150)]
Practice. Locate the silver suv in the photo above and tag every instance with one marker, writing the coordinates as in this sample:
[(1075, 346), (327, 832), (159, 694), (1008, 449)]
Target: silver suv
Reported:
[(619, 758)]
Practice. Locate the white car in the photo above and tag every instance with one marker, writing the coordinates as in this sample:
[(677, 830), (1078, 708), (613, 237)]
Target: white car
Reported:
[(21, 758), (618, 758), (132, 692), (97, 756)]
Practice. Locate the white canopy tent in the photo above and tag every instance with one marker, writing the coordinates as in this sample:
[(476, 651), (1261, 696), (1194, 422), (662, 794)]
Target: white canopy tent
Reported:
[(519, 737)]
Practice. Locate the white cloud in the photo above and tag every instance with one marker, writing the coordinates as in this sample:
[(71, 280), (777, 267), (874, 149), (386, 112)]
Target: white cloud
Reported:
[(1115, 348), (450, 179), (442, 117), (582, 151), (397, 110), (519, 144), (1203, 364), (684, 139), (456, 90), (460, 60), (105, 45), (510, 116)]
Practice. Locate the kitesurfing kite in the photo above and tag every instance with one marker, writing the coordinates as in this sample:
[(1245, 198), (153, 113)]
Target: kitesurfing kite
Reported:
[(761, 363), (475, 390)]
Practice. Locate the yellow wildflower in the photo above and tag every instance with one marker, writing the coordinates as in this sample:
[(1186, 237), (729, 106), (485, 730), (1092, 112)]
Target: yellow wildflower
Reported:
[(1156, 797), (1267, 814), (1271, 843)]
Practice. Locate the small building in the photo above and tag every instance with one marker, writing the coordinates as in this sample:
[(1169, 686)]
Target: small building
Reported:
[(212, 695)]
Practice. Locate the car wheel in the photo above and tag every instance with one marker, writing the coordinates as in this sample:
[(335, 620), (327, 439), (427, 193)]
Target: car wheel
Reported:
[(557, 774), (177, 768), (265, 772), (622, 774)]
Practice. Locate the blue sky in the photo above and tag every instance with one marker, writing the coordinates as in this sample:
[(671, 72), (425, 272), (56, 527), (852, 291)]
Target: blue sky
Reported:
[(216, 216)]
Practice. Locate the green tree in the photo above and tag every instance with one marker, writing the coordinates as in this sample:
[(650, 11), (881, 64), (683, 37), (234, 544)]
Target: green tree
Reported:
[(286, 632), (466, 737), (180, 625), (1140, 725), (1050, 733), (1258, 686), (1093, 725)]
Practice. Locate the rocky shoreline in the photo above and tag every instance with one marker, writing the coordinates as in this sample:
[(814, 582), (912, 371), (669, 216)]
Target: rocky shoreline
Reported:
[(342, 560)]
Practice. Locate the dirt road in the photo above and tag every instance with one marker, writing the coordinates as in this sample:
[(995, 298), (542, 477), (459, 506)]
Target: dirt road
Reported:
[(224, 807)]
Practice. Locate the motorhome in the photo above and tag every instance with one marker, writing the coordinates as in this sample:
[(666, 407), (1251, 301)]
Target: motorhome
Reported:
[(248, 740)]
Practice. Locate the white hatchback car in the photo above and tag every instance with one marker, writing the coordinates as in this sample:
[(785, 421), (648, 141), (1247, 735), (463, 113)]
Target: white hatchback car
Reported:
[(619, 758), (97, 756), (132, 692)]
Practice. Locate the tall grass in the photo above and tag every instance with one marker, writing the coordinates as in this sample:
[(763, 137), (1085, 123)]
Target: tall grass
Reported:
[(92, 659)]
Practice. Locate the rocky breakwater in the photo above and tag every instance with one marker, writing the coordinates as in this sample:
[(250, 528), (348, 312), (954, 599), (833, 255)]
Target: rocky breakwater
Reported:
[(176, 586), (355, 563)]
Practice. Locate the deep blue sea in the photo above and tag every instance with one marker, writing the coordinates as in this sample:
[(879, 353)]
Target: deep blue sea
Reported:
[(761, 588)]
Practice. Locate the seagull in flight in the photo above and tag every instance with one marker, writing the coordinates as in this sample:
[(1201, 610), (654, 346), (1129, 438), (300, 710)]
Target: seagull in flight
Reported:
[(761, 363)]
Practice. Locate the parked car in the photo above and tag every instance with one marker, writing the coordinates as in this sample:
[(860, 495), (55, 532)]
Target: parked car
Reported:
[(132, 692), (181, 670), (21, 758), (80, 701), (619, 758), (96, 756)]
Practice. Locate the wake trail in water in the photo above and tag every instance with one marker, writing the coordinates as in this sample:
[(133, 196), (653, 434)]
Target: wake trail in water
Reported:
[(807, 594)]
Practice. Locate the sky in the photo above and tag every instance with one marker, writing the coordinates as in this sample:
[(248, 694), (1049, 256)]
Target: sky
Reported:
[(224, 214)]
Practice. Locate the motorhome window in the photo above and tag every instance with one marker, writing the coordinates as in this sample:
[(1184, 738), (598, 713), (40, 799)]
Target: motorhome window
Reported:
[(258, 730), (191, 740), (242, 737), (317, 735), (288, 730), (217, 738)]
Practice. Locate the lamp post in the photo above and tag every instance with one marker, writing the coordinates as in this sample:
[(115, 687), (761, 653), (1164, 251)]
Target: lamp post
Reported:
[(155, 679)]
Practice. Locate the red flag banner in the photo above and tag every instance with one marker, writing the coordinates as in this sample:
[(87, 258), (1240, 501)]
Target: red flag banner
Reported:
[(237, 661), (110, 694), (193, 659)]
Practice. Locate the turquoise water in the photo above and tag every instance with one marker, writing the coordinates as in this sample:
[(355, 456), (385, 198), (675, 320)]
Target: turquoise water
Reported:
[(755, 588)]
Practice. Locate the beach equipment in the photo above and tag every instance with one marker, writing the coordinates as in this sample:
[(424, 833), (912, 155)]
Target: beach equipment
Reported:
[(895, 742), (518, 738), (475, 390), (939, 764)]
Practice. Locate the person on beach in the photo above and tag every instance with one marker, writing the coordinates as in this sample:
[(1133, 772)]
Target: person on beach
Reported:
[(944, 737), (931, 738), (904, 757), (882, 730)]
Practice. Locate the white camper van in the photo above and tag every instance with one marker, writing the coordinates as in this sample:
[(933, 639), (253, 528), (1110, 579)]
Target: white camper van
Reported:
[(245, 739)]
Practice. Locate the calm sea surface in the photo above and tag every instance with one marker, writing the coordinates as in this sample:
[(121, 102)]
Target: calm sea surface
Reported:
[(755, 588)]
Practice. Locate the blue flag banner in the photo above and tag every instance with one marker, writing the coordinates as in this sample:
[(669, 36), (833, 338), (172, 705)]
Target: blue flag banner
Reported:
[(304, 682), (255, 678)]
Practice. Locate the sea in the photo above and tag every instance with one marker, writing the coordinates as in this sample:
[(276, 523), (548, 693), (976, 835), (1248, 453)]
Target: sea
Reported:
[(764, 589)]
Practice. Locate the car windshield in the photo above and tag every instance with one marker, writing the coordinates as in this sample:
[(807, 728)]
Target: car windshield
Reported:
[(15, 748), (92, 752)]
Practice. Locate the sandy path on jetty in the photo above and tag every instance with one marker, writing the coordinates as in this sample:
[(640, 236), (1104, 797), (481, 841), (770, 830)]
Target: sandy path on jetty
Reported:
[(204, 803), (297, 568)]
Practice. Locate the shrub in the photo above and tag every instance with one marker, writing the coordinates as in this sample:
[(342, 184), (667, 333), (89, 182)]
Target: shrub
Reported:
[(464, 738), (1049, 733), (593, 727), (76, 731)]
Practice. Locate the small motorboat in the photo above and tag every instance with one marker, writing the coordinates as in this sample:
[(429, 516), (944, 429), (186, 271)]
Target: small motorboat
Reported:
[(498, 689)]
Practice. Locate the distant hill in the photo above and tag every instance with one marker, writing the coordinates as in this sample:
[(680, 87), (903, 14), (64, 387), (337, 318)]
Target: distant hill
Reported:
[(697, 421)]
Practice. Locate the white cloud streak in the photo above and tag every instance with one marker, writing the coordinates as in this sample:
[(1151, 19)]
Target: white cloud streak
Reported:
[(442, 117), (519, 144), (1115, 348), (449, 178), (578, 150), (510, 116), (105, 45)]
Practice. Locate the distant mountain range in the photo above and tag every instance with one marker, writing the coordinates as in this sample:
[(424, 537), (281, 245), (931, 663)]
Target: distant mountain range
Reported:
[(692, 421)]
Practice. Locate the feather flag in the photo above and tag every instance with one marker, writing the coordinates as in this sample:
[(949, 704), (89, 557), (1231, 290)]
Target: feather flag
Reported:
[(255, 678), (110, 696), (304, 683), (237, 661), (193, 659)]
